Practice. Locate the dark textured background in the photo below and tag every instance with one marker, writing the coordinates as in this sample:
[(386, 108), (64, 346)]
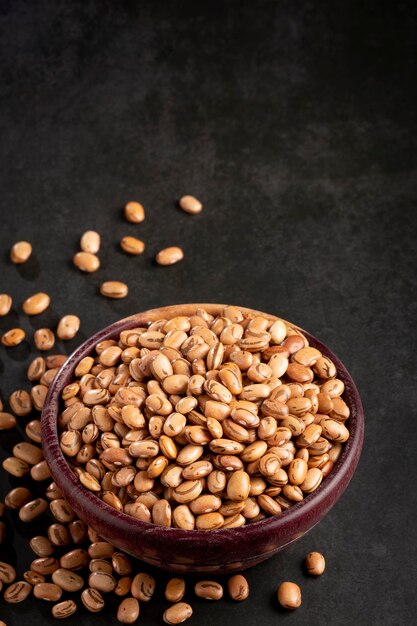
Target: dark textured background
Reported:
[(295, 123)]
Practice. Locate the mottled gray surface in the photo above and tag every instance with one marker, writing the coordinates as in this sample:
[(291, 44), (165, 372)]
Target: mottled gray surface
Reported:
[(295, 123)]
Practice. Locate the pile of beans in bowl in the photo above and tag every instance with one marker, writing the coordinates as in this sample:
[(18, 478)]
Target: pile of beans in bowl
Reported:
[(204, 422)]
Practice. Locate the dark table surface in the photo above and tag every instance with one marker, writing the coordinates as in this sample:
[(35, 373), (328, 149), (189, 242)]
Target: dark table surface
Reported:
[(295, 123)]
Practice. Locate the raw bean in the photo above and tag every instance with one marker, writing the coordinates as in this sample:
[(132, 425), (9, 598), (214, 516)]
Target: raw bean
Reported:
[(178, 613), (47, 591), (7, 421), (67, 580), (114, 289), (121, 564), (312, 480), (175, 590), (209, 521), (238, 486), (86, 261), (20, 252), (100, 550), (209, 590), (74, 559), (325, 368), (190, 205), (89, 481), (100, 565), (7, 573), (15, 467), (28, 452), (68, 327), (44, 339), (335, 431), (55, 360), (102, 582), (20, 402), (161, 513), (33, 431), (92, 600), (58, 535), (41, 546), (169, 256), (36, 304), (33, 578), (32, 510), (238, 587), (62, 511), (5, 304), (36, 369), (269, 505), (17, 592), (183, 518), (123, 586), (128, 611), (13, 337), (297, 471), (289, 595), (64, 609), (143, 587), (44, 565), (134, 212), (90, 242), (132, 245), (315, 563)]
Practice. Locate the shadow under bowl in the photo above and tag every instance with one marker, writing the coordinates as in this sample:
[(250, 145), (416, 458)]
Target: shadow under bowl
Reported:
[(181, 551)]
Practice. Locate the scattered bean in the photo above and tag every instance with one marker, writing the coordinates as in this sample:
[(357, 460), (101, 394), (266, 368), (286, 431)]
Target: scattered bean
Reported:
[(114, 289), (90, 242), (169, 256), (13, 337), (6, 303), (289, 595), (36, 304), (86, 261), (20, 252), (68, 327), (132, 245), (134, 212), (191, 205)]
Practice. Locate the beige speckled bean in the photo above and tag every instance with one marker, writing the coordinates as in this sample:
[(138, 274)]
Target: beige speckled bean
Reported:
[(132, 245), (86, 261), (6, 303), (90, 241), (44, 339), (128, 611), (7, 573), (17, 592), (64, 609), (92, 600), (134, 212), (20, 252), (169, 256), (13, 337), (238, 587), (68, 327), (47, 591), (114, 289), (143, 587), (209, 590), (190, 205), (178, 613), (175, 590), (36, 304)]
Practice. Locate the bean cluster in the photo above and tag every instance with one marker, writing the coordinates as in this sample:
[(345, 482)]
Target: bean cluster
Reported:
[(204, 423)]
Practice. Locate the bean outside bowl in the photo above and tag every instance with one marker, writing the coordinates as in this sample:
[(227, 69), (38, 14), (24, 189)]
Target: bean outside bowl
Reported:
[(176, 550)]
